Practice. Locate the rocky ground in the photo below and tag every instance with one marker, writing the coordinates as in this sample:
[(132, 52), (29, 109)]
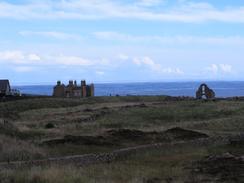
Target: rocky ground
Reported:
[(220, 168)]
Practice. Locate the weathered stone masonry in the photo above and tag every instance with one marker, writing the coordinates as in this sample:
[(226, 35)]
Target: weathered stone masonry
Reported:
[(73, 90), (205, 91)]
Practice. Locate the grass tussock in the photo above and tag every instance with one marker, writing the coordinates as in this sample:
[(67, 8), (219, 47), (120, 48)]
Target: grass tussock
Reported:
[(161, 164), (12, 149)]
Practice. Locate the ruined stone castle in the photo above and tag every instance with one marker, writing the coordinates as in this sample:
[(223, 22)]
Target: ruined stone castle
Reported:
[(205, 92), (73, 90)]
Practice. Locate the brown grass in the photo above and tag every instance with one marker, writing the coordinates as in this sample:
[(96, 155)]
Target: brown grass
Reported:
[(22, 137)]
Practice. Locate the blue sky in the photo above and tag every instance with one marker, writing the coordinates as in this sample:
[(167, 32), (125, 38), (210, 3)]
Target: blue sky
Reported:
[(42, 41)]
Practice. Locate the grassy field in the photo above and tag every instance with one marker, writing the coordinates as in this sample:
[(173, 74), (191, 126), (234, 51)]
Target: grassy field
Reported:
[(40, 128)]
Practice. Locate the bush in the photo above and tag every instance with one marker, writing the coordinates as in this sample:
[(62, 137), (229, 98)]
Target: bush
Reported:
[(49, 126)]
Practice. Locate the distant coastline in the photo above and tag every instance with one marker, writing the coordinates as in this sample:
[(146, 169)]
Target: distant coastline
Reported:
[(222, 88)]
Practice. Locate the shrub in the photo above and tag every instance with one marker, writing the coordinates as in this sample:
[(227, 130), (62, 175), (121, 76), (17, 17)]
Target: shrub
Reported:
[(49, 126)]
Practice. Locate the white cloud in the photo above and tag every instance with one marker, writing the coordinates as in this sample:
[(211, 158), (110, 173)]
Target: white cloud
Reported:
[(148, 3), (220, 68), (24, 62), (72, 61), (22, 58), (51, 34), (105, 9), (170, 70), (116, 36), (18, 57), (148, 62), (100, 73), (109, 35), (23, 69), (213, 68), (33, 57), (226, 68), (11, 55), (123, 57)]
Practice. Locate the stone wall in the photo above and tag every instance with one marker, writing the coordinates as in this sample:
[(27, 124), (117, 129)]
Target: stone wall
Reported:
[(84, 160)]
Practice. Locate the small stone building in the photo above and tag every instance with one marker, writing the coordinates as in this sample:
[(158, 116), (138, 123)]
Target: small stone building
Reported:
[(73, 90), (5, 88), (205, 92)]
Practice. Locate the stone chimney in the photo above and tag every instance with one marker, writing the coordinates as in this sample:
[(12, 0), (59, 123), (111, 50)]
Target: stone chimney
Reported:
[(58, 83), (71, 82), (92, 90), (83, 83)]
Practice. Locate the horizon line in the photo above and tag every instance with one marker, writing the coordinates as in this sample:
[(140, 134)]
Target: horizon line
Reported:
[(127, 82)]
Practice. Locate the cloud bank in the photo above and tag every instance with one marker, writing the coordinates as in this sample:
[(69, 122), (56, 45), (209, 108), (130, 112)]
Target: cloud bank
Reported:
[(183, 11)]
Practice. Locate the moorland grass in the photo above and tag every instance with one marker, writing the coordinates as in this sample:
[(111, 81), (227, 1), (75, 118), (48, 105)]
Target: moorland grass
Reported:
[(23, 129)]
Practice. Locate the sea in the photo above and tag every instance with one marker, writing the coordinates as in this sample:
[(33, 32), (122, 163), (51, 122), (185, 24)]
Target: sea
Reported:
[(222, 89)]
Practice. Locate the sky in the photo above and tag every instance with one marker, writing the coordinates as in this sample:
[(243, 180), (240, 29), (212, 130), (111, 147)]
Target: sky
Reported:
[(42, 41)]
